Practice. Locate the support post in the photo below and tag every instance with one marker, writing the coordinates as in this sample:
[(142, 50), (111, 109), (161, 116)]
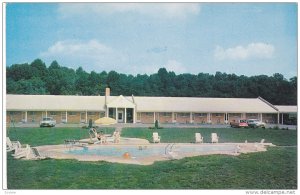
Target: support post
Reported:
[(154, 117), (209, 117), (173, 120), (86, 116), (134, 116), (117, 114), (66, 116), (282, 118), (191, 117), (125, 120), (278, 122), (25, 116), (261, 117)]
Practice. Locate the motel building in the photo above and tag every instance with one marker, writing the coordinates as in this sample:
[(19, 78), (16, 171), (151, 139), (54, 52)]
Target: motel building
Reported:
[(139, 109)]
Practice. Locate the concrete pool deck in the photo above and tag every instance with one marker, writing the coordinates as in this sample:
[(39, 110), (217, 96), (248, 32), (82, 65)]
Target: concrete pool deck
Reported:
[(80, 153)]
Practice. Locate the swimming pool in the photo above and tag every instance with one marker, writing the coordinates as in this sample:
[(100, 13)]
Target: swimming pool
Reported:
[(151, 150), (141, 152)]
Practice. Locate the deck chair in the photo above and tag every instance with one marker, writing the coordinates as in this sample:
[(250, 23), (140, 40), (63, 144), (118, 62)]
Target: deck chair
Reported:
[(199, 138), (156, 137), (214, 138), (12, 145), (35, 154), (23, 152)]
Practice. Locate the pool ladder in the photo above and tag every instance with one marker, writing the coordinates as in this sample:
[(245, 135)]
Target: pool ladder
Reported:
[(168, 150)]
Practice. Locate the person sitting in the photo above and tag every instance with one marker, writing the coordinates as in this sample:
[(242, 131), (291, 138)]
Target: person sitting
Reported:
[(101, 137), (116, 136)]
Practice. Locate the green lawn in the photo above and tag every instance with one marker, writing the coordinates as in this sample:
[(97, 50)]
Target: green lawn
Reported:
[(187, 135), (274, 169)]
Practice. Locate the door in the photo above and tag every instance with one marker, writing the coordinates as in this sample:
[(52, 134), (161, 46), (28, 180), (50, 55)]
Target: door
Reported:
[(120, 117), (82, 117)]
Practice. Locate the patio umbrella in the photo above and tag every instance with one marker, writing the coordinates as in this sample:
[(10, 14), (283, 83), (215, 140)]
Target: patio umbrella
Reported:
[(105, 121)]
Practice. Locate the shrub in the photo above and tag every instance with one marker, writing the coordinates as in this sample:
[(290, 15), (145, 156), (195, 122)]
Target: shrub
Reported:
[(156, 124)]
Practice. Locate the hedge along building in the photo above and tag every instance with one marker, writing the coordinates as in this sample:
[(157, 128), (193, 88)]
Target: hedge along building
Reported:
[(136, 109)]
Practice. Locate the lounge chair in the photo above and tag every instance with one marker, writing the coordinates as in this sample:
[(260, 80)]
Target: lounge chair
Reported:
[(199, 138), (12, 145), (156, 137), (28, 153), (214, 138), (23, 152)]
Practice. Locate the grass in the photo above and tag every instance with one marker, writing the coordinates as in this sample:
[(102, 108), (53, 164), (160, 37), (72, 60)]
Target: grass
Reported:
[(187, 135), (49, 136), (274, 169)]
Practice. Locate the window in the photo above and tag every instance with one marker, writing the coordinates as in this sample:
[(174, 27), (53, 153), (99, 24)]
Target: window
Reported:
[(52, 113), (91, 113), (101, 114), (149, 114), (252, 115), (31, 113), (237, 115), (200, 114), (72, 113), (12, 113), (166, 114), (138, 116), (218, 114), (184, 114)]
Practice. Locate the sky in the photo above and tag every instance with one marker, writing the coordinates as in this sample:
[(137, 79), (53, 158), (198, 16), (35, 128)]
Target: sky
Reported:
[(139, 38)]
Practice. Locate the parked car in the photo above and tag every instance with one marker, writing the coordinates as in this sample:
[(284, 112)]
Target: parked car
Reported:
[(239, 124), (48, 122), (255, 123)]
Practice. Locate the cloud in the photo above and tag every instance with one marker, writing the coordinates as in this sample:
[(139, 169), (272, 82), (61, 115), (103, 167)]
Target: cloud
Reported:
[(92, 54), (251, 51), (76, 47), (175, 66), (166, 10)]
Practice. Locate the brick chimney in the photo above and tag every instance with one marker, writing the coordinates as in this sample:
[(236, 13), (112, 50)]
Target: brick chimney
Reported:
[(107, 91)]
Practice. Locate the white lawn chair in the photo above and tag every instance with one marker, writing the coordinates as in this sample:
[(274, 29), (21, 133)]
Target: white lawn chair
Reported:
[(156, 137), (199, 138), (12, 145), (23, 152), (214, 138)]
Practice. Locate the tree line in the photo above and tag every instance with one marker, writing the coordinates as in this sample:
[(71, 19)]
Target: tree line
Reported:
[(36, 78)]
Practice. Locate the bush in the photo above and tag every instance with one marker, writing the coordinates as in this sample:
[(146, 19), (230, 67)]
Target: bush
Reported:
[(156, 124)]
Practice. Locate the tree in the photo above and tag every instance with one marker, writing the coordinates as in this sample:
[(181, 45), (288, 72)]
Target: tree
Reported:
[(34, 86), (36, 78), (39, 69), (19, 71)]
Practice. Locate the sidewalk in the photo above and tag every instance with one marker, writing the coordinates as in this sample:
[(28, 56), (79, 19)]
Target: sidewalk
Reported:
[(24, 125)]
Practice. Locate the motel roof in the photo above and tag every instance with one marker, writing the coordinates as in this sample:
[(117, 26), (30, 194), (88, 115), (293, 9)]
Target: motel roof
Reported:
[(193, 104), (287, 109), (142, 104), (55, 103)]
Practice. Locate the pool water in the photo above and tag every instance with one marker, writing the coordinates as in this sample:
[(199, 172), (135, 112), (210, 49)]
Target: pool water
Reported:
[(145, 151)]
